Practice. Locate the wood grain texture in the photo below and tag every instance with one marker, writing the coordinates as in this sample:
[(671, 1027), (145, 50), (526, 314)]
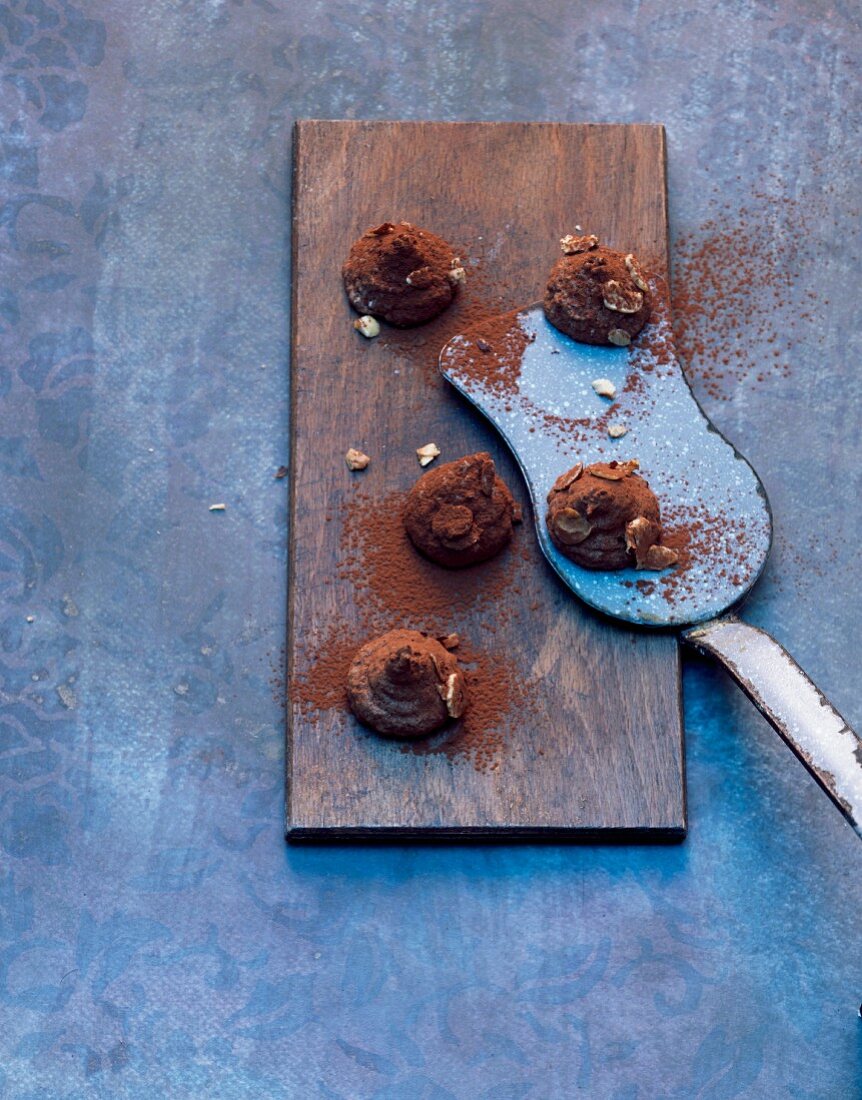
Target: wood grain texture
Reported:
[(600, 751)]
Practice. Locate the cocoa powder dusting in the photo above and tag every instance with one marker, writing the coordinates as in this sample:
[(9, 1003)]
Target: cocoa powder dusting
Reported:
[(746, 310), (498, 346), (736, 309), (698, 535), (321, 683)]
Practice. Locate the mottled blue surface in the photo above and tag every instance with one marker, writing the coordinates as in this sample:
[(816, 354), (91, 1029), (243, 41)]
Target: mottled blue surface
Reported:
[(156, 936)]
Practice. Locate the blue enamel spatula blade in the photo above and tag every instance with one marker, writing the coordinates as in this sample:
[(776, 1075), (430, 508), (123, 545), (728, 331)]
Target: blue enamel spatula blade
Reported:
[(551, 417)]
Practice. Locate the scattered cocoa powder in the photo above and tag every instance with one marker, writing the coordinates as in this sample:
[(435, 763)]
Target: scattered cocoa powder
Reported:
[(808, 553), (753, 332), (698, 535), (319, 680), (494, 360), (736, 293), (497, 688)]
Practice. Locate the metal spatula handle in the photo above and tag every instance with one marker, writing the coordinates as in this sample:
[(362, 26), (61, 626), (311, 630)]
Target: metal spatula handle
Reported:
[(798, 710)]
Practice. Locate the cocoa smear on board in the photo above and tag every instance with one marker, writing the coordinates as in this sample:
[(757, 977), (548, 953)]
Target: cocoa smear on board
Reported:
[(394, 586), (392, 582), (497, 693)]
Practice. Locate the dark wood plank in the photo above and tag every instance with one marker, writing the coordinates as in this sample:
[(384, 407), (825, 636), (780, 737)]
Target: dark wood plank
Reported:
[(599, 751)]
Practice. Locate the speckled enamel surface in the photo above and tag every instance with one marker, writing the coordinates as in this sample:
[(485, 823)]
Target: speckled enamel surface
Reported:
[(687, 463), (157, 937)]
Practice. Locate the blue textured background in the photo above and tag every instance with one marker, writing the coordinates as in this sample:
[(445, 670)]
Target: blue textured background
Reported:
[(156, 936)]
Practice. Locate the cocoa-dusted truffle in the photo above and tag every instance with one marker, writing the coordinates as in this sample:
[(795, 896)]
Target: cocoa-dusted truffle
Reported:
[(405, 684), (596, 295), (402, 274), (461, 512), (605, 516)]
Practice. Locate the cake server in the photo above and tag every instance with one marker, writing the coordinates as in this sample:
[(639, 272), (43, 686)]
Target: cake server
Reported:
[(550, 415)]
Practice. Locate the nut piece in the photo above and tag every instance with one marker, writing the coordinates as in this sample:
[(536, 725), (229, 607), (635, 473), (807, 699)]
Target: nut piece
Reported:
[(636, 273), (452, 693), (368, 326), (619, 337), (640, 533), (620, 298), (356, 460), (457, 274), (218, 507), (614, 471), (572, 245), (427, 453), (450, 641), (617, 431), (568, 478), (659, 557), (571, 527), (604, 387)]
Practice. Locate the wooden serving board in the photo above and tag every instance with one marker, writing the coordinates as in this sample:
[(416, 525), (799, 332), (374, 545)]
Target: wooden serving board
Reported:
[(594, 747)]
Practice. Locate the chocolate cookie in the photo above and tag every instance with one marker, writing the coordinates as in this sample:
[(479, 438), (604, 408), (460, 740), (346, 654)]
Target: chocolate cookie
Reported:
[(402, 274), (606, 517), (461, 512), (405, 684), (596, 295)]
